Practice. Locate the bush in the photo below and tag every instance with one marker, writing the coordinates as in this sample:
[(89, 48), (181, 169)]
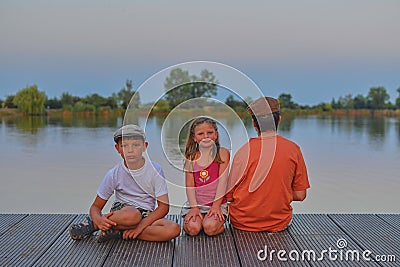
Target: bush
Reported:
[(81, 107)]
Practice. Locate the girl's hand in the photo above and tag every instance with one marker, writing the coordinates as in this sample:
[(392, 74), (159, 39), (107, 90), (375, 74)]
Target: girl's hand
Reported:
[(216, 212), (193, 213)]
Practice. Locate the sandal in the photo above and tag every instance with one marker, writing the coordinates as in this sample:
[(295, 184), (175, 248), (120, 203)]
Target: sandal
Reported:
[(82, 230), (109, 235)]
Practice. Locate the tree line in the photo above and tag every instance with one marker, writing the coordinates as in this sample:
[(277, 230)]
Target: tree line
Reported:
[(184, 90), (31, 101), (376, 99)]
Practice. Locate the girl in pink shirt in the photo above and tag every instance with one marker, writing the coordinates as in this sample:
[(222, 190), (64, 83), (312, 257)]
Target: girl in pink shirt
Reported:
[(206, 170)]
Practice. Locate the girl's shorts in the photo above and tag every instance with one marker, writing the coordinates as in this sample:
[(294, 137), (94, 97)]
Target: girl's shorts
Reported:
[(204, 209)]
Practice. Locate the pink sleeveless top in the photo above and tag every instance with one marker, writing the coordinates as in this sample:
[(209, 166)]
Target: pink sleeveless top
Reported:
[(206, 183)]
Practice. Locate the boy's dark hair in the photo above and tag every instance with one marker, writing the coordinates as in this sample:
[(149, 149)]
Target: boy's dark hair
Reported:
[(267, 122)]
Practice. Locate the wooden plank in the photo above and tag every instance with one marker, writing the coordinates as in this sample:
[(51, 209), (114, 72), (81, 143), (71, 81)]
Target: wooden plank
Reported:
[(141, 253), (27, 240), (260, 248), (68, 252), (313, 224), (9, 220), (203, 250), (43, 240), (392, 219), (371, 233), (316, 233)]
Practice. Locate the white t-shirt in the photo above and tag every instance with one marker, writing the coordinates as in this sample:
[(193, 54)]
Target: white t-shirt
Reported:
[(139, 188)]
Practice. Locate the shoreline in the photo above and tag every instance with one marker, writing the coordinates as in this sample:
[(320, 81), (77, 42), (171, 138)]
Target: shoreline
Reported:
[(6, 113)]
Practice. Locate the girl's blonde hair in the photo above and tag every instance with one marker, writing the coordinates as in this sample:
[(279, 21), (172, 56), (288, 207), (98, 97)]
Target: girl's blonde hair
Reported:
[(192, 147)]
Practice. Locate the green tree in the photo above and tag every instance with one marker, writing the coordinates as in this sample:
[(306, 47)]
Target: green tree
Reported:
[(181, 86), (285, 101), (334, 104), (179, 81), (95, 100), (346, 102), (377, 97), (124, 96), (67, 99), (235, 104), (398, 99), (30, 100), (83, 107), (53, 103), (360, 102), (161, 106), (9, 102), (111, 102), (324, 107)]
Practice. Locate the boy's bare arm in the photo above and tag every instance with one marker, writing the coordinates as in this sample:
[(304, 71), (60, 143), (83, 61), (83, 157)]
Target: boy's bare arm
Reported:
[(101, 222), (299, 195)]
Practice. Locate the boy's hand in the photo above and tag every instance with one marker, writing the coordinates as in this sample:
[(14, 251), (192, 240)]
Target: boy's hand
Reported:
[(216, 212), (193, 213), (104, 223), (132, 233)]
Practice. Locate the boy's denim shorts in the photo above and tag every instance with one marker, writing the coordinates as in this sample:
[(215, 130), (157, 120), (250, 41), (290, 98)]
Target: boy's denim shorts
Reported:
[(119, 205)]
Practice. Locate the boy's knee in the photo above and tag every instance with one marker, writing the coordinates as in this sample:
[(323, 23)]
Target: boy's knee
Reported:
[(131, 216), (175, 230)]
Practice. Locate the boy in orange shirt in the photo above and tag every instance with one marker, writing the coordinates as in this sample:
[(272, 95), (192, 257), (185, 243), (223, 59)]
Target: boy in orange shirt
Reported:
[(267, 174)]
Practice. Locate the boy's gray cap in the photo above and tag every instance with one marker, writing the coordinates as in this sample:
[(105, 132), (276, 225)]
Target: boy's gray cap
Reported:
[(130, 130)]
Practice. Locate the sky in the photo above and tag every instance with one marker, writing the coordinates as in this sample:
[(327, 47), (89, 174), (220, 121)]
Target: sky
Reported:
[(315, 50)]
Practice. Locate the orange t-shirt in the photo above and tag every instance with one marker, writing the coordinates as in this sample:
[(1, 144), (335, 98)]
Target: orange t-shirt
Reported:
[(262, 183)]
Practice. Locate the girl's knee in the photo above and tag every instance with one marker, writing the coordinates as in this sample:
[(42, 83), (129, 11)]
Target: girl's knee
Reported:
[(192, 228), (212, 227)]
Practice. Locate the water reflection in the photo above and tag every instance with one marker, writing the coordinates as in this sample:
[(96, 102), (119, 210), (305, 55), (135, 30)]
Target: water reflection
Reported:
[(377, 131), (31, 124), (345, 155), (26, 124), (286, 123), (160, 120), (398, 131), (359, 124)]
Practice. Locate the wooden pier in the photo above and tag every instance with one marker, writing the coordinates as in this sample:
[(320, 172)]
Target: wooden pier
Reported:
[(311, 240)]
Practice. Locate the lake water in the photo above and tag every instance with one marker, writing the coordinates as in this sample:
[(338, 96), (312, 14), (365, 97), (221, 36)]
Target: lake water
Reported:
[(54, 165)]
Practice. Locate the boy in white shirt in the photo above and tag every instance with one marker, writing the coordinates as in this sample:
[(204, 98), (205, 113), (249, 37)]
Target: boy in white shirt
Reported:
[(137, 184)]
